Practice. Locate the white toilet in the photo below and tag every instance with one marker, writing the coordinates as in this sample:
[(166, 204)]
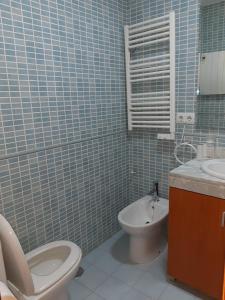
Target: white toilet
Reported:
[(41, 274), (144, 221)]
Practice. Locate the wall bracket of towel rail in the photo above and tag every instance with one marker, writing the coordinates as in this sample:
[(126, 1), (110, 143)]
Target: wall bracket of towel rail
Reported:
[(150, 75)]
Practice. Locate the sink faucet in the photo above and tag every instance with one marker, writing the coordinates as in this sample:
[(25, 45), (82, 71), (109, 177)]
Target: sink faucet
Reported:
[(155, 192)]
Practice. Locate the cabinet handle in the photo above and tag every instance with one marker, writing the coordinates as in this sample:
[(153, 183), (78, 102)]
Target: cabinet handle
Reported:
[(223, 219)]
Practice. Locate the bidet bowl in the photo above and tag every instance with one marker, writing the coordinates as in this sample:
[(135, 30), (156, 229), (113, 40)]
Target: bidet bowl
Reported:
[(144, 221)]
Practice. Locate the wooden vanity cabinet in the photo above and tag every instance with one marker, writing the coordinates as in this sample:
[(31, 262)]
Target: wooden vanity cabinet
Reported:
[(196, 242)]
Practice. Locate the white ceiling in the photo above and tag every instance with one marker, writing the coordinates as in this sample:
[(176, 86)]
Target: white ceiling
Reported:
[(208, 2)]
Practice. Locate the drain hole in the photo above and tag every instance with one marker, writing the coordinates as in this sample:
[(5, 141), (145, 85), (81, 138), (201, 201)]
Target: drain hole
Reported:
[(147, 222)]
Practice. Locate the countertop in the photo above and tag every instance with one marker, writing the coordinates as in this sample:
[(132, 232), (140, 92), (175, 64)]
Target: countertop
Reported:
[(190, 177)]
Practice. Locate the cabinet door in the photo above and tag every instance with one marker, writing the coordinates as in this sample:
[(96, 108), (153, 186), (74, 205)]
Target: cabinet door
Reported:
[(196, 241)]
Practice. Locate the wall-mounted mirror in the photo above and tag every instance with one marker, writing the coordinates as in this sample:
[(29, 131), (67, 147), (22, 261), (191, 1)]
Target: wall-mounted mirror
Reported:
[(212, 47)]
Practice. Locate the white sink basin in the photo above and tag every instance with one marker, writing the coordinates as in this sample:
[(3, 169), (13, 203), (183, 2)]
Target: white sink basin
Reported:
[(214, 167)]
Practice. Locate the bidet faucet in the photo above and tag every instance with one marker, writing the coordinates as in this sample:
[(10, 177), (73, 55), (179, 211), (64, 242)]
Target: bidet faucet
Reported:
[(155, 192)]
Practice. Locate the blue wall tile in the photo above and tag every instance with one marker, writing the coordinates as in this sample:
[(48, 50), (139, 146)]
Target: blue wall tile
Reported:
[(62, 81)]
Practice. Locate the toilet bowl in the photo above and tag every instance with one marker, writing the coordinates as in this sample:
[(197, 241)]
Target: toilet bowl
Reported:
[(41, 274), (144, 220)]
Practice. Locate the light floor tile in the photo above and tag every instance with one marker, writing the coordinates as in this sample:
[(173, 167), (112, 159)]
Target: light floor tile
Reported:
[(93, 277), (107, 263), (85, 264), (175, 293), (133, 294), (128, 273), (93, 255), (144, 267), (107, 245), (94, 297), (150, 286), (158, 268), (106, 277), (158, 263), (78, 291), (118, 234), (112, 289)]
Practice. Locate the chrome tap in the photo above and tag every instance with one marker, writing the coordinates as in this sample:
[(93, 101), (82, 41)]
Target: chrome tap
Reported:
[(155, 192)]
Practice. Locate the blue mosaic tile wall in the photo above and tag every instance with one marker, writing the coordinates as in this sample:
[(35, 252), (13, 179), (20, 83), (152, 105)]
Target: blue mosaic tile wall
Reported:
[(211, 112), (151, 159), (211, 109), (212, 27), (62, 81)]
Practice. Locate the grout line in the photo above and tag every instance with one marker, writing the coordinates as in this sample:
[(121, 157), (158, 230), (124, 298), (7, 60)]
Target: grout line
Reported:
[(27, 152)]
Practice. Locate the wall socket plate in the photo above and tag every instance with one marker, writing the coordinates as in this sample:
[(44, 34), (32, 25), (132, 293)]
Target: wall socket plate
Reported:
[(185, 118)]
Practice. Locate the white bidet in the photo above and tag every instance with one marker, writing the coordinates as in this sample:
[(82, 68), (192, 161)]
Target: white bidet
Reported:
[(144, 221)]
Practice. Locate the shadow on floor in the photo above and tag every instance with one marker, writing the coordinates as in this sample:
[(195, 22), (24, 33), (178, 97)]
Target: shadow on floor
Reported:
[(120, 249)]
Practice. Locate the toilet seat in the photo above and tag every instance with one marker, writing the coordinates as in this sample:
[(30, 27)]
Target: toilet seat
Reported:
[(39, 281), (41, 274)]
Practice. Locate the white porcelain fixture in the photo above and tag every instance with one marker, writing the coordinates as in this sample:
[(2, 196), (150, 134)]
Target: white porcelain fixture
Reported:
[(214, 167), (41, 274), (145, 225)]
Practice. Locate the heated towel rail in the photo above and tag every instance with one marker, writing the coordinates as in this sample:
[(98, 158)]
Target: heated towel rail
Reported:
[(150, 75)]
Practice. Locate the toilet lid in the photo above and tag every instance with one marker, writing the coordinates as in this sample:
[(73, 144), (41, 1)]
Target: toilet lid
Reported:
[(16, 266)]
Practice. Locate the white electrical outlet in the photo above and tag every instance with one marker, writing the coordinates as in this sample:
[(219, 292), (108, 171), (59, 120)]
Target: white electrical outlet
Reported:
[(190, 118), (180, 118), (185, 118)]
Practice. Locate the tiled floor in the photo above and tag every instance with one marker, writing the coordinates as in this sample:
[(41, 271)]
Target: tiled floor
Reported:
[(110, 276)]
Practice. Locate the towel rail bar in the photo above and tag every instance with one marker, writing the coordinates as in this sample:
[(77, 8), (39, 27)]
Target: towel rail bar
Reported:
[(151, 58), (150, 74), (149, 21)]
